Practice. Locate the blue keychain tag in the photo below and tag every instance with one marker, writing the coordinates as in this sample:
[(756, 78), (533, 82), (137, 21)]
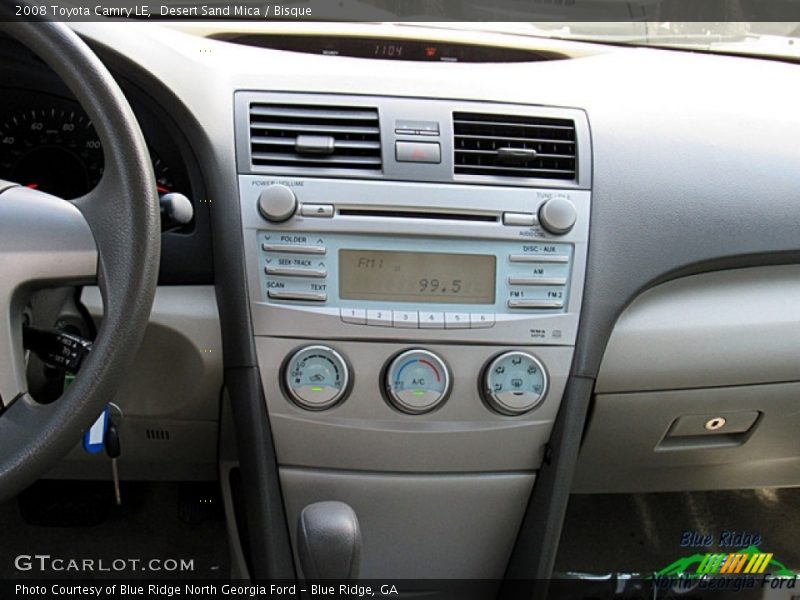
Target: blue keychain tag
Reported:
[(94, 438)]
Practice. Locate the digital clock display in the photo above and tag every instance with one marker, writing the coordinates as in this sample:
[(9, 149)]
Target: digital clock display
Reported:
[(388, 50), (425, 277)]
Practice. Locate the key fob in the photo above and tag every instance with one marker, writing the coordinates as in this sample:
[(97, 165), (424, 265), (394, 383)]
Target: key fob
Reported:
[(95, 436)]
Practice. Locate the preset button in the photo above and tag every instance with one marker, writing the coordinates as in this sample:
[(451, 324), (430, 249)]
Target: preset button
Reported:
[(481, 320), (357, 316), (455, 320), (404, 319), (380, 318), (431, 320)]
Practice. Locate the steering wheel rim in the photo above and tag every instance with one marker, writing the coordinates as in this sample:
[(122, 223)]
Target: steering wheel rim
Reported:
[(112, 234)]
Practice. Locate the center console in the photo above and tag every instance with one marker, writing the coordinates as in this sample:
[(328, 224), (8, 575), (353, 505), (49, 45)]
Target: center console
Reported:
[(415, 272)]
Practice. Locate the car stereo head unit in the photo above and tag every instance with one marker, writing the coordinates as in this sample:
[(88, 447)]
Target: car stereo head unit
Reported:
[(360, 259)]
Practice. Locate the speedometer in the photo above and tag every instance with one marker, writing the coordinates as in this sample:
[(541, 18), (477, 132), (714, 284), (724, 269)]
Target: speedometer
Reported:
[(54, 149), (49, 143)]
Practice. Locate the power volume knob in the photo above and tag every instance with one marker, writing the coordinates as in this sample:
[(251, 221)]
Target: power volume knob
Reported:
[(277, 203), (558, 215)]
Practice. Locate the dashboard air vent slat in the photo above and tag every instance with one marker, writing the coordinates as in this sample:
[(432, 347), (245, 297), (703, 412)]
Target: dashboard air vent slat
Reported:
[(257, 139), (317, 159), (278, 133), (313, 113), (479, 137)]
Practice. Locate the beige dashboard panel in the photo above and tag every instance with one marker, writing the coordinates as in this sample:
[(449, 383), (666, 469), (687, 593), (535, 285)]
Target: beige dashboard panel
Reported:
[(725, 328)]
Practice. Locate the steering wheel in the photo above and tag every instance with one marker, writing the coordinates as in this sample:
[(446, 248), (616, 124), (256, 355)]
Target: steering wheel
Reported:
[(111, 236)]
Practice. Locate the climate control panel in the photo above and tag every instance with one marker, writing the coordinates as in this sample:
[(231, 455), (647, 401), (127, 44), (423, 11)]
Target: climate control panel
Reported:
[(414, 381), (411, 407)]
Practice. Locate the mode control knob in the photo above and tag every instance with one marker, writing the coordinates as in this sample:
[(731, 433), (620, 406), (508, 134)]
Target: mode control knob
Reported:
[(316, 377), (514, 383), (417, 381), (277, 203), (558, 215)]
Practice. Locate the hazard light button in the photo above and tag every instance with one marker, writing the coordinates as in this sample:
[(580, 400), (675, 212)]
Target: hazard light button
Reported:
[(420, 152)]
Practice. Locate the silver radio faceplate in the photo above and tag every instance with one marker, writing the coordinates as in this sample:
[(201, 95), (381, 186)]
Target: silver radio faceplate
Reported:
[(404, 261)]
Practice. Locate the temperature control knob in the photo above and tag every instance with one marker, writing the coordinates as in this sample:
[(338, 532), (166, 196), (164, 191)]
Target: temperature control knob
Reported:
[(417, 381), (277, 203), (514, 383), (558, 215), (316, 377)]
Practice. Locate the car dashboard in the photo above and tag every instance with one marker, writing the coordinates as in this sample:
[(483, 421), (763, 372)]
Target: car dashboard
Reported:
[(447, 279)]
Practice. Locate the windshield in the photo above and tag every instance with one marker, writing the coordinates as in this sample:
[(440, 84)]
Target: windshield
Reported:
[(757, 38), (767, 39)]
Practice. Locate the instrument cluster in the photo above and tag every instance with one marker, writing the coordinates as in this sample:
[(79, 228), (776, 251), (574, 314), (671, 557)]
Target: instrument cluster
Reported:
[(48, 142)]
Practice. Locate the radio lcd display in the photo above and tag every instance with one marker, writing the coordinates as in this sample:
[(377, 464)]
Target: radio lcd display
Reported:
[(426, 277)]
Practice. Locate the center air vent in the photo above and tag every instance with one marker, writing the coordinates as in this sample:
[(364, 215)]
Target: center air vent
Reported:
[(514, 146), (294, 137)]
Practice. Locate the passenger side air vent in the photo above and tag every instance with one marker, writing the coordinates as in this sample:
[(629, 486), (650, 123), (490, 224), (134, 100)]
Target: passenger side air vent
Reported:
[(514, 146), (315, 138)]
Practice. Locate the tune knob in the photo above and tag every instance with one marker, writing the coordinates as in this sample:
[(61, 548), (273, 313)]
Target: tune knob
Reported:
[(558, 215), (277, 203)]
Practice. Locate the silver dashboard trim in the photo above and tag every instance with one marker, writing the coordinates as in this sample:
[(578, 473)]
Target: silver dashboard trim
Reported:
[(390, 109)]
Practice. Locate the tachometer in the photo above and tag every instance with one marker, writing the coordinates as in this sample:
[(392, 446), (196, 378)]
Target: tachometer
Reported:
[(53, 149), (163, 174)]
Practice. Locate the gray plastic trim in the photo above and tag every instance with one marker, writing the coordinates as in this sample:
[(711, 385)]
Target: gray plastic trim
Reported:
[(228, 461), (421, 526)]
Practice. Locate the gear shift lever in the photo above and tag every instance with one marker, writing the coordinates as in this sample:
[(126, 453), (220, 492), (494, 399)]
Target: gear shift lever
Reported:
[(329, 541)]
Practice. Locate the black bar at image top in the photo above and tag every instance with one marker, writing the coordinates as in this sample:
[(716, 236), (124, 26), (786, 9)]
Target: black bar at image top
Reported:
[(517, 11)]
